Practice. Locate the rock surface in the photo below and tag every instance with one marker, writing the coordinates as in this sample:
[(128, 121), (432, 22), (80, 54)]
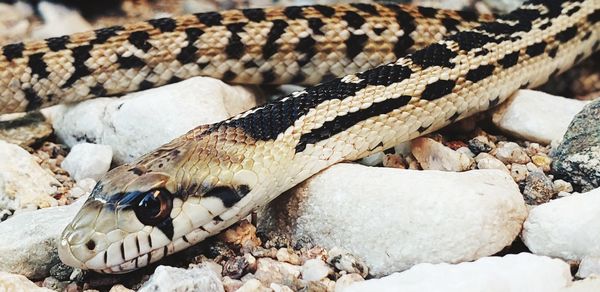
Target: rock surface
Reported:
[(167, 279), (577, 158), (589, 266), (12, 282), (511, 273), (566, 228), (59, 20), (142, 121), (88, 160), (28, 241), (23, 183), (392, 219), (536, 116)]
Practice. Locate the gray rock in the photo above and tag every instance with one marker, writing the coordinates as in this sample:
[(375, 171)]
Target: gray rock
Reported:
[(199, 278), (538, 188), (28, 241), (577, 158)]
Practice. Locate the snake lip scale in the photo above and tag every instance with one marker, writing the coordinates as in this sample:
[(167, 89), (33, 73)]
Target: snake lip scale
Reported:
[(199, 184)]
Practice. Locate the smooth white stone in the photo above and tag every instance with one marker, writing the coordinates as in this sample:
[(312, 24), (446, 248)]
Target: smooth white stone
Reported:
[(589, 266), (568, 227), (59, 20), (12, 282), (392, 219), (536, 116), (140, 122), (88, 160), (511, 273), (315, 270), (433, 155)]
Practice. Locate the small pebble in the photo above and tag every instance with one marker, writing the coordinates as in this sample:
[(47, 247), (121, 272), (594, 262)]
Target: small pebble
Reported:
[(288, 256), (511, 152), (345, 261), (538, 188), (562, 186), (346, 280), (480, 144), (315, 270), (542, 161), (487, 161), (519, 172)]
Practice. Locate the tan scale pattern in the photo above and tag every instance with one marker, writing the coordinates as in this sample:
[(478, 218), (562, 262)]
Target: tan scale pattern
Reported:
[(22, 89), (107, 235)]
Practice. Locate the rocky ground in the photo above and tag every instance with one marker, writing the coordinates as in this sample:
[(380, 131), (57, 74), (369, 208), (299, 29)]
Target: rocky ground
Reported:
[(504, 201)]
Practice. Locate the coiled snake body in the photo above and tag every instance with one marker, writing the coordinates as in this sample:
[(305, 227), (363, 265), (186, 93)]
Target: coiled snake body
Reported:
[(201, 183)]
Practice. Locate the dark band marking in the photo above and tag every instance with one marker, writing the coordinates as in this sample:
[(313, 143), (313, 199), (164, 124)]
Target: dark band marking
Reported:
[(13, 51), (494, 102), (468, 15), (578, 58), (145, 84), (427, 11), (293, 12), (80, 55), (130, 62), (552, 52), (536, 49), (342, 123), (405, 42), (270, 47), (438, 89), (209, 18), (34, 101), (188, 53), (315, 25), (227, 195), (586, 36), (167, 228), (454, 116), (567, 34), (103, 34), (353, 19), (573, 10), (122, 248), (480, 73), (37, 65), (450, 24), (594, 16), (58, 43), (140, 40), (434, 55), (468, 40), (255, 14), (355, 44), (422, 129), (325, 10), (385, 75), (98, 90), (364, 7), (379, 31), (235, 47), (164, 24), (229, 75), (268, 76), (306, 46)]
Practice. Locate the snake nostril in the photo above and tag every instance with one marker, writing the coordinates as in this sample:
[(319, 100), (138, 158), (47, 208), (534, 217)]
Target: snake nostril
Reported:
[(91, 244)]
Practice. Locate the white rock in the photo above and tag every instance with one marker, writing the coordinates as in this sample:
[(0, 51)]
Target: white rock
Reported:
[(511, 273), (12, 282), (315, 270), (13, 21), (280, 288), (487, 161), (142, 121), (59, 20), (536, 116), (433, 155), (167, 278), (566, 227), (392, 219), (23, 182), (346, 281), (271, 271), (519, 172), (586, 285), (88, 160), (589, 266), (253, 285), (28, 241)]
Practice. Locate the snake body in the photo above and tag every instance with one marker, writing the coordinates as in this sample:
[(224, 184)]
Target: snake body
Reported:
[(206, 180), (253, 46)]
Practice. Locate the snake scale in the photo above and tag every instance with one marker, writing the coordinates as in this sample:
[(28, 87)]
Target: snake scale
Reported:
[(206, 180)]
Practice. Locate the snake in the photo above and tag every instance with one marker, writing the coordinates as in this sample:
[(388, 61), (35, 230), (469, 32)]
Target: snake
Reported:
[(379, 75)]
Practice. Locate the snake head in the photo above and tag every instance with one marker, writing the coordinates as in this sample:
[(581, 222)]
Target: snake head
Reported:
[(165, 202)]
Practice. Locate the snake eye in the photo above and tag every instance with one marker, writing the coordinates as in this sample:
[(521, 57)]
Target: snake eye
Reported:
[(154, 206)]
